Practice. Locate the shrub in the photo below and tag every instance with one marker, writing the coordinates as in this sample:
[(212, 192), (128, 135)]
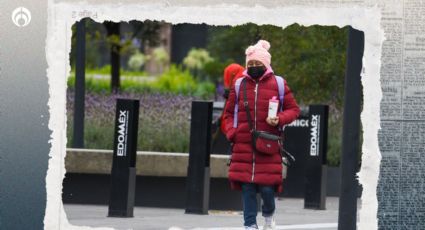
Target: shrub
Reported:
[(174, 80), (334, 142), (196, 58), (204, 90), (106, 70), (136, 61), (161, 56), (215, 69)]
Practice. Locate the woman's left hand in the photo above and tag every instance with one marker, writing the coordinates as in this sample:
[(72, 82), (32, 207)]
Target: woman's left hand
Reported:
[(273, 121)]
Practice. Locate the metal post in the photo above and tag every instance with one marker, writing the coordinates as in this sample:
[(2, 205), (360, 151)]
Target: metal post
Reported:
[(347, 217), (123, 173), (316, 168), (198, 171), (78, 129), (297, 142)]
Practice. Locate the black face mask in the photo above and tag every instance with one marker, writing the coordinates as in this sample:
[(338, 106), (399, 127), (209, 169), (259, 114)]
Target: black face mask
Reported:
[(256, 71)]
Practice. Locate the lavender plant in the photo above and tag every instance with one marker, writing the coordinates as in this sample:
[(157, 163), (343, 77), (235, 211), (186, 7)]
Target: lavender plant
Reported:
[(163, 120)]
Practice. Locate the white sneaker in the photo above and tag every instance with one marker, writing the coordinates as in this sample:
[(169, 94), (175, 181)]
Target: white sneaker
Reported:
[(252, 227), (270, 223)]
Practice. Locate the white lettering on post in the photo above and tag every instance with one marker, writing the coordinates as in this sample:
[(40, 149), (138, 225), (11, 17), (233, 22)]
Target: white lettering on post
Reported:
[(122, 133), (299, 123), (314, 137)]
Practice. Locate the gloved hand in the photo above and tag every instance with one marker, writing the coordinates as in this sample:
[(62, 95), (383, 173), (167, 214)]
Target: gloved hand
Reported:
[(226, 93)]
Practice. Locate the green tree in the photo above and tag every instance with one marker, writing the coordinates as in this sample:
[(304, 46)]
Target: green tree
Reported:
[(196, 60), (312, 59), (229, 43), (108, 35)]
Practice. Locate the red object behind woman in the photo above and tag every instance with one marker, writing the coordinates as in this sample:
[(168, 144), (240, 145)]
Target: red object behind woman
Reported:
[(231, 73)]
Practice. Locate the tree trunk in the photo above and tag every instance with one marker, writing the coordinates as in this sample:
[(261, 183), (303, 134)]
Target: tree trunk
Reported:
[(114, 29)]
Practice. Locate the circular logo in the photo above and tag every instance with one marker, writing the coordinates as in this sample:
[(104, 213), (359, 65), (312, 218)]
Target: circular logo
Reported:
[(21, 16)]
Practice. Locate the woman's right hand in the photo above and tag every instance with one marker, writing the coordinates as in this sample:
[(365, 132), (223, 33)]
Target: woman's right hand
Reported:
[(273, 121)]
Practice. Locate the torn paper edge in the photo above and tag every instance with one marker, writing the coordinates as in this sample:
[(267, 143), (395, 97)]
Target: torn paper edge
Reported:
[(58, 47)]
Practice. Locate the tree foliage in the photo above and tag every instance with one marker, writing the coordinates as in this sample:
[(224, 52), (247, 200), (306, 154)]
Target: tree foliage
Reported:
[(312, 59), (97, 39)]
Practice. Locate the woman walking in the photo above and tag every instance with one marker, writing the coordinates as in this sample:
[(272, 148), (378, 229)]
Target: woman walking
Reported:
[(250, 170)]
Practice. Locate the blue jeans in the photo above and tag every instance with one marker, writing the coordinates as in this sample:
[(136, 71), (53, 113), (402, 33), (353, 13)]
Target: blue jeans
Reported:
[(249, 198)]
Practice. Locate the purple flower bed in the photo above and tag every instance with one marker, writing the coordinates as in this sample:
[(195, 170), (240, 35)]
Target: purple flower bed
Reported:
[(163, 120)]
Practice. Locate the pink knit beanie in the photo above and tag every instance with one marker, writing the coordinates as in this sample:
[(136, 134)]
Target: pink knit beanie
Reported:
[(259, 52)]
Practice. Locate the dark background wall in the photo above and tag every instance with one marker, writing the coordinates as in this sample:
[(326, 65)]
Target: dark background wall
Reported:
[(169, 192), (186, 36)]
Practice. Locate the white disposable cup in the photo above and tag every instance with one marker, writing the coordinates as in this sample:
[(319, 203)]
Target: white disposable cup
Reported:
[(273, 104)]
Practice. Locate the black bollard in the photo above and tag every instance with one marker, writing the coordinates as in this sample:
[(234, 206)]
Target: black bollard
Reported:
[(347, 216), (80, 85), (297, 143), (198, 171), (315, 170), (123, 173)]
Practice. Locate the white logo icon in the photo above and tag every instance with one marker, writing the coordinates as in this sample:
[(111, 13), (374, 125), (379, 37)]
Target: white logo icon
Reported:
[(21, 16)]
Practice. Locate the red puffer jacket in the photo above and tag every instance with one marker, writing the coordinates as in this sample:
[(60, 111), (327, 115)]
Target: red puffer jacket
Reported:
[(247, 166)]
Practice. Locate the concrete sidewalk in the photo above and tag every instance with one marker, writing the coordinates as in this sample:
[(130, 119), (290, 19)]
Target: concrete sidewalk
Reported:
[(290, 214)]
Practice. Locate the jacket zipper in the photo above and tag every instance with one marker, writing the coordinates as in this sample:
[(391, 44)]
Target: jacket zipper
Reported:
[(255, 127)]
